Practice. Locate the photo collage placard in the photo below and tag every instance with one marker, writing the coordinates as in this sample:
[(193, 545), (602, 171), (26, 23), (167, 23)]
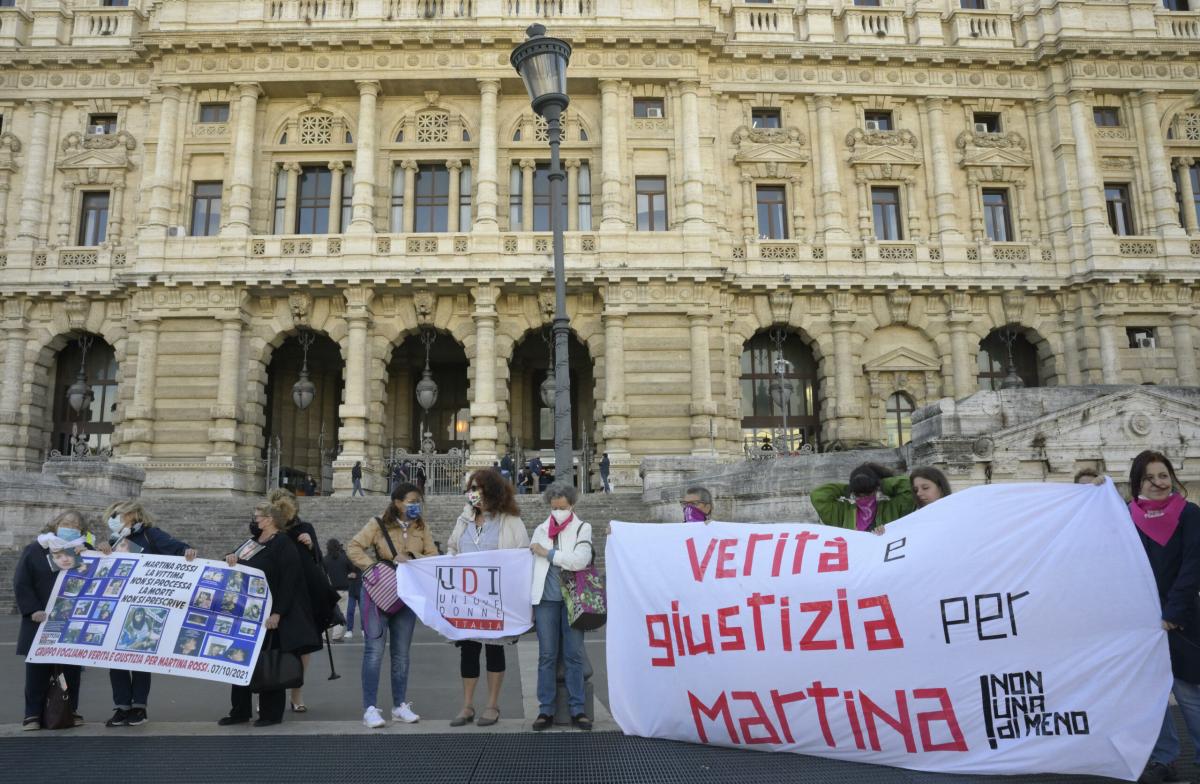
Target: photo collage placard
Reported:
[(88, 601), (224, 617)]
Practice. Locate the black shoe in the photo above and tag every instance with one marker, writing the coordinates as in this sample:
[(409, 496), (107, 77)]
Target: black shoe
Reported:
[(542, 722), (137, 717), (1156, 773), (226, 721), (581, 721), (267, 722), (120, 718)]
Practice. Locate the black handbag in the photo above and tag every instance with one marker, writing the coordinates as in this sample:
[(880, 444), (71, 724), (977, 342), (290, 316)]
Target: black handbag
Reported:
[(56, 709), (276, 669)]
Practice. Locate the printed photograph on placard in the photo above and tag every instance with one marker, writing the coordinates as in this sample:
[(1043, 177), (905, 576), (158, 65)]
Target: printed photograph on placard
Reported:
[(248, 550), (197, 619), (238, 653), (124, 568), (223, 625), (74, 632), (236, 582), (231, 602), (124, 545), (212, 575), (105, 566), (203, 600), (94, 587), (86, 564), (188, 643), (61, 610), (95, 633), (104, 610), (82, 609), (114, 588), (258, 586), (254, 608), (215, 647), (142, 630), (51, 634), (64, 560), (247, 628), (72, 586)]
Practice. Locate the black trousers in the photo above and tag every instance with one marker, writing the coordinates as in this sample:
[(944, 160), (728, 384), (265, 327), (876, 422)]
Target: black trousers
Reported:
[(270, 703), (37, 683), (469, 658)]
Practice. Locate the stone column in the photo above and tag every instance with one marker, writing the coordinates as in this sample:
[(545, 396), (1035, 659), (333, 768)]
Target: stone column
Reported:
[(1110, 358), (1091, 187), (363, 220), (845, 403), (612, 210), (453, 169), (291, 199), (225, 414), (1070, 343), (164, 157), (354, 411), (616, 412), (15, 335), (830, 191), (693, 170), (241, 170), (1162, 190), (528, 165), (1186, 192), (1052, 196), (35, 167), (139, 434), (410, 195), (572, 167), (484, 412), (962, 358), (5, 184), (944, 202), (702, 409), (335, 196), (116, 209), (487, 187), (749, 227), (797, 208), (1185, 348)]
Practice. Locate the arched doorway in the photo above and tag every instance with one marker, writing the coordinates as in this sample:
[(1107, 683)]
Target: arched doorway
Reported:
[(448, 422), (307, 438), (780, 410), (532, 420), (90, 409), (994, 358)]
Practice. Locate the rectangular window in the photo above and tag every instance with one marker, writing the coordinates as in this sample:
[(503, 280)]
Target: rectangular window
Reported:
[(93, 217), (397, 203), (1177, 5), (279, 222), (772, 212), (878, 121), (649, 108), (206, 209), (214, 112), (312, 206), (1194, 173), (431, 206), (1120, 211), (973, 5), (516, 216), (987, 122), (1141, 337), (8, 3), (115, 3), (885, 205), (766, 118), (651, 203), (347, 197), (464, 198), (585, 197), (997, 217), (1106, 116), (868, 3), (102, 124)]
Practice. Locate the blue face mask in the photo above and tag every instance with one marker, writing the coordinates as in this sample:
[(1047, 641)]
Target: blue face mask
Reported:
[(412, 511), (69, 534)]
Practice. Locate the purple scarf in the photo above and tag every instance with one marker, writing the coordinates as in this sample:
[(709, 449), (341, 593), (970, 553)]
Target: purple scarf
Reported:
[(1157, 519), (864, 511)]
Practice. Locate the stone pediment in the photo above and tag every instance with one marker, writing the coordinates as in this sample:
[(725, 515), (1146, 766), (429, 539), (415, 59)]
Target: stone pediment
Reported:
[(770, 153), (107, 151), (93, 159), (902, 360), (894, 148), (993, 149)]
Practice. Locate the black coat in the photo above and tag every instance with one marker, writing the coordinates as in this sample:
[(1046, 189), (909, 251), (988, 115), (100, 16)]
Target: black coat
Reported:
[(156, 541), (338, 567), (280, 562), (1176, 567), (33, 581), (322, 599)]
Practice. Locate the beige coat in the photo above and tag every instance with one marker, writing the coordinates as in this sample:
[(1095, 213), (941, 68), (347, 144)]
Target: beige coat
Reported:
[(512, 531), (369, 546)]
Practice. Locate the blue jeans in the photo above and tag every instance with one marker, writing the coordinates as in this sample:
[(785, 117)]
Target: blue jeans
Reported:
[(351, 603), (129, 689), (400, 626), (1166, 748), (550, 619), (357, 488)]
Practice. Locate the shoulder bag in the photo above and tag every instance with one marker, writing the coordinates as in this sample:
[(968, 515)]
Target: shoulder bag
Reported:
[(56, 709), (380, 580), (583, 593), (276, 669)]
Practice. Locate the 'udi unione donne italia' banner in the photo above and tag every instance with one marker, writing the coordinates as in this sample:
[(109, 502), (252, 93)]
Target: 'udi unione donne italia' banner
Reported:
[(1003, 629)]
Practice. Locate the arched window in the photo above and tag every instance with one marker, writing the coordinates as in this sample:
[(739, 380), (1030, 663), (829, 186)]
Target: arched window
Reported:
[(96, 418), (899, 419), (779, 393), (993, 359)]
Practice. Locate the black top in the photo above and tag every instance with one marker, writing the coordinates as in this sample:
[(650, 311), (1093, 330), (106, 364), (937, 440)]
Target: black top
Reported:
[(338, 567), (322, 598), (297, 527), (33, 582), (156, 541), (506, 463), (604, 465), (280, 562), (356, 472), (1176, 567)]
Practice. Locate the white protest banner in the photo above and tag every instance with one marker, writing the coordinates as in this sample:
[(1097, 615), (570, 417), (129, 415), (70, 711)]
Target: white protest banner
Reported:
[(159, 614), (471, 596), (1004, 629)]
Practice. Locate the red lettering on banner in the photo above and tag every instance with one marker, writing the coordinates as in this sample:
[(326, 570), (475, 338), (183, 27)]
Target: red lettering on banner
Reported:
[(736, 641), (754, 540), (663, 642), (835, 557), (780, 701), (693, 647), (808, 642), (777, 561), (469, 572), (756, 601), (835, 561), (900, 723), (877, 629), (852, 715), (718, 708), (819, 694), (759, 719), (724, 555), (945, 713), (844, 616), (802, 539), (700, 567)]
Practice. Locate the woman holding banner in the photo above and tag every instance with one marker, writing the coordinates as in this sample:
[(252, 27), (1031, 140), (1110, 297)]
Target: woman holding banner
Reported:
[(399, 534), (1169, 528), (928, 485), (130, 522), (290, 623), (563, 541), (872, 499), (489, 521), (33, 582)]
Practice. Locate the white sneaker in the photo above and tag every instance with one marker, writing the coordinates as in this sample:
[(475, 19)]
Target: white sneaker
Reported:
[(349, 636), (404, 713), (373, 719)]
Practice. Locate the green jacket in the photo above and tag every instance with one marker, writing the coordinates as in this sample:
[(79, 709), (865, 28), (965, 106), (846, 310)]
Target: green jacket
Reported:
[(835, 506)]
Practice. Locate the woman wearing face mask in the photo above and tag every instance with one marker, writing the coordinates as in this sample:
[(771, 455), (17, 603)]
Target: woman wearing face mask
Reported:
[(403, 525), (33, 582), (1169, 528), (131, 690), (562, 542), (928, 485), (291, 617), (489, 521), (697, 505), (872, 499)]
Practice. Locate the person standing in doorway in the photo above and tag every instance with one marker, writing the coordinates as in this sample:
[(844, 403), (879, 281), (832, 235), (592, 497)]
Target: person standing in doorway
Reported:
[(506, 467), (535, 470), (356, 479), (605, 466)]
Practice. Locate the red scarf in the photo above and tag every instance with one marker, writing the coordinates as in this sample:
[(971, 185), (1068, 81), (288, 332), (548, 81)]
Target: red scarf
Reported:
[(1157, 519), (556, 528)]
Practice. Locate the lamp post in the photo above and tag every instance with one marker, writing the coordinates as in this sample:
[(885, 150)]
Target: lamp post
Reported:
[(303, 391), (542, 64), (79, 398), (1012, 380), (427, 392)]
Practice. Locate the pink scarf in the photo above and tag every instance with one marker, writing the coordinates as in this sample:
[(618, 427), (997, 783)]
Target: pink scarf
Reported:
[(1157, 519), (864, 513), (556, 528)]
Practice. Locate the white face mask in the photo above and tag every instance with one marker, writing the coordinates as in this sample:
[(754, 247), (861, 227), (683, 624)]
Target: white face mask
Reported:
[(114, 524), (560, 515)]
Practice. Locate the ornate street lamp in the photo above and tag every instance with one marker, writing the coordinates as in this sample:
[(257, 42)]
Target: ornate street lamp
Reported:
[(779, 387), (1011, 379), (427, 389), (542, 64), (304, 391), (79, 394), (547, 387)]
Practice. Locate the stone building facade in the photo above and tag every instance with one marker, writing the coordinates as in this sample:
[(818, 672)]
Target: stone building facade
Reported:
[(904, 200)]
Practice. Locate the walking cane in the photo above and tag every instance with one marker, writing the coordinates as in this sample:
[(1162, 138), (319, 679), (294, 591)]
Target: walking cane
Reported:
[(333, 675)]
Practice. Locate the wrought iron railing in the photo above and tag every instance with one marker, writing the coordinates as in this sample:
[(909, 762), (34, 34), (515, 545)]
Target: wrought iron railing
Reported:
[(436, 474)]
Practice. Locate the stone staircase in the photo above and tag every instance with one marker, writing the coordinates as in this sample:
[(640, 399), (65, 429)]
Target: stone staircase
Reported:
[(214, 526)]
